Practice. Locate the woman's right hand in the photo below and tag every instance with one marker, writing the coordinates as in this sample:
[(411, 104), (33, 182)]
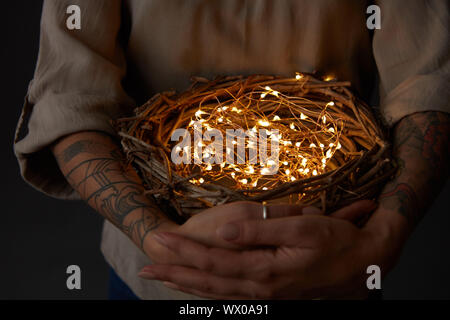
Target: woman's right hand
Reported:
[(202, 226)]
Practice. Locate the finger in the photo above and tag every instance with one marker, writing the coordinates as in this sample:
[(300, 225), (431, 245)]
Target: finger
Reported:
[(288, 231), (254, 210), (202, 281), (201, 293), (355, 211), (288, 210), (249, 264)]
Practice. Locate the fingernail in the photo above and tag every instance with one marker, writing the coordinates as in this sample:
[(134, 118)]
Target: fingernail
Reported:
[(146, 275), (311, 210), (171, 285), (230, 231), (147, 268), (160, 238)]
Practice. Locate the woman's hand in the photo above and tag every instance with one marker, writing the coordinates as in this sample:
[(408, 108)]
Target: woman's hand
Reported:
[(202, 226), (295, 238), (298, 257), (316, 256)]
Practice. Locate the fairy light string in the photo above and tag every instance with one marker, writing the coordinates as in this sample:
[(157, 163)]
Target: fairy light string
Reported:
[(332, 149), (307, 141)]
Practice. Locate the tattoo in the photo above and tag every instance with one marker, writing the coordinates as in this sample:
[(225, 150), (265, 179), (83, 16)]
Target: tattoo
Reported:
[(404, 200), (421, 147), (77, 148), (108, 187), (141, 226)]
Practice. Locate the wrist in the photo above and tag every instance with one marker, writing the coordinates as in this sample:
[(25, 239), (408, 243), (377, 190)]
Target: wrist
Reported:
[(388, 231), (153, 249)]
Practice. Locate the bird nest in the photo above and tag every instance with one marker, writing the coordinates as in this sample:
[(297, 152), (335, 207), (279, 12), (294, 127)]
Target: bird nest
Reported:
[(257, 138)]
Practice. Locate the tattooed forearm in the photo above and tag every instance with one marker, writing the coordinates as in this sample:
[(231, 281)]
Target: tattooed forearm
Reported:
[(96, 170), (421, 147)]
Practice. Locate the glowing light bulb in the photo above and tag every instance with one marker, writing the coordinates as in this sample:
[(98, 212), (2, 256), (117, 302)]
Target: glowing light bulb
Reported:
[(264, 123), (199, 113)]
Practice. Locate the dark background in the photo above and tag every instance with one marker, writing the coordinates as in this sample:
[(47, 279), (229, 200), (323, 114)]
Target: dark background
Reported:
[(41, 236)]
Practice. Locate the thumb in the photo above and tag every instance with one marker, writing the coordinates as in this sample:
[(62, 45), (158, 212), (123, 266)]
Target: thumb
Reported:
[(288, 210), (284, 231)]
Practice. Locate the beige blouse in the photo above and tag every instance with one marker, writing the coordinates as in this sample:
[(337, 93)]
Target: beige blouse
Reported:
[(128, 50)]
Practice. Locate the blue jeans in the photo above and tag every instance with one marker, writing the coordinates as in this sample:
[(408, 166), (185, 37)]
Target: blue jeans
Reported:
[(117, 289)]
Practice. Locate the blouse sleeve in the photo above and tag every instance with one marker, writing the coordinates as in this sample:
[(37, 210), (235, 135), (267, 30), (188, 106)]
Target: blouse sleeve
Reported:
[(76, 87), (412, 54)]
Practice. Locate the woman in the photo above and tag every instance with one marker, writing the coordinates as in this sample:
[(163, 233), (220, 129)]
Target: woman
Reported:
[(126, 51)]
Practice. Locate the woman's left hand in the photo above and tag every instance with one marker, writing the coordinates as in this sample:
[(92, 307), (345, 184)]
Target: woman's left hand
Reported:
[(301, 257)]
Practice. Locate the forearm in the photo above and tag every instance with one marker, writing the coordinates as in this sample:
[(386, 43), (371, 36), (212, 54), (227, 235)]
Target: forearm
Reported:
[(421, 149), (93, 164)]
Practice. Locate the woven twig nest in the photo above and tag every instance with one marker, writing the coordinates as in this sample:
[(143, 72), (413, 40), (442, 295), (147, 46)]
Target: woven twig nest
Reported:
[(331, 149)]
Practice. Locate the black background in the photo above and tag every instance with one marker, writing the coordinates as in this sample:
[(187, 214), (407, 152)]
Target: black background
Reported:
[(41, 236)]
